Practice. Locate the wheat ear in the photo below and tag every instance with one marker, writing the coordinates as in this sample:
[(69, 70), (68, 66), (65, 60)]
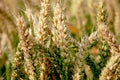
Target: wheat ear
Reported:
[(24, 41)]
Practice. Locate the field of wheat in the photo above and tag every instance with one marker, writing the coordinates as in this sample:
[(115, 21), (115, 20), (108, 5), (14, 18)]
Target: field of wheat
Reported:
[(59, 39)]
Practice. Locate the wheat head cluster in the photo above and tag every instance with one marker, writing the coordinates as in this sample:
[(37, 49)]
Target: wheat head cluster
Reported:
[(59, 40)]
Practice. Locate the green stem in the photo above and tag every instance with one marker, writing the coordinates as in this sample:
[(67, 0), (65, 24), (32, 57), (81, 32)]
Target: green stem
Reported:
[(7, 66)]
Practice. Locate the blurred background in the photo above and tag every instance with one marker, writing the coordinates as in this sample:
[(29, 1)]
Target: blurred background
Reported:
[(81, 19)]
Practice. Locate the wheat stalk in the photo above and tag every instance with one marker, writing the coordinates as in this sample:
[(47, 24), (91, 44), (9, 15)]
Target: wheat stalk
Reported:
[(80, 54), (24, 41), (108, 71), (59, 29), (18, 62), (108, 36), (41, 29)]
